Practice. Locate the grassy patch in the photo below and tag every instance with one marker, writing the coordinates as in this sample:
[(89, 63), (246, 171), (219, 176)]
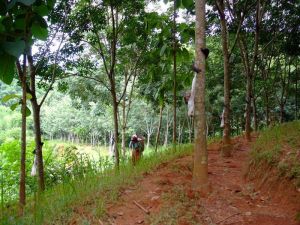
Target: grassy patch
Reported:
[(279, 147), (93, 189)]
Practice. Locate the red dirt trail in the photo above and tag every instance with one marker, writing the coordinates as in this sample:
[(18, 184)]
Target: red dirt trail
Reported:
[(233, 199)]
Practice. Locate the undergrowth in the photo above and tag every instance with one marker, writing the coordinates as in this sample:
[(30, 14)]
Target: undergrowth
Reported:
[(93, 187), (279, 147)]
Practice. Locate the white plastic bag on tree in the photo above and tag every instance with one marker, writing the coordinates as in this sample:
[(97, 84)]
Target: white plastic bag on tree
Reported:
[(222, 119), (191, 104), (34, 167)]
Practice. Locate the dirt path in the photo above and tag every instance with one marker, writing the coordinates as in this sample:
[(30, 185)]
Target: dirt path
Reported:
[(166, 194)]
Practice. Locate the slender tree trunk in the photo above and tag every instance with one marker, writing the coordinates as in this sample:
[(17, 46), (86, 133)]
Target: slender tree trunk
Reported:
[(116, 127), (248, 108), (37, 125), (174, 76), (167, 129), (296, 92), (38, 143), (226, 148), (281, 112), (189, 122), (159, 127), (22, 188), (255, 114), (124, 127), (200, 172)]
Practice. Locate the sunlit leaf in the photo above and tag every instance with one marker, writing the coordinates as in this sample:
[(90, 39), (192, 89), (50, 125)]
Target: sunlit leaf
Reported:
[(14, 106), (28, 112), (6, 98)]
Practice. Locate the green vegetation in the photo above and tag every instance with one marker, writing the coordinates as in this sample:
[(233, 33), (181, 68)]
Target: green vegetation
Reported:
[(88, 74), (278, 147), (99, 186)]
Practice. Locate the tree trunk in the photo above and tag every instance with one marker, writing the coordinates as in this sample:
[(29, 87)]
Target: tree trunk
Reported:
[(190, 127), (37, 125), (22, 188), (248, 109), (116, 127), (167, 129), (159, 127), (226, 148), (174, 77), (296, 92), (200, 171), (38, 143), (255, 121), (281, 112), (124, 127)]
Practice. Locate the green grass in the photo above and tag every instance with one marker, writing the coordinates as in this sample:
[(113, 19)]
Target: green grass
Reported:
[(279, 147), (56, 205)]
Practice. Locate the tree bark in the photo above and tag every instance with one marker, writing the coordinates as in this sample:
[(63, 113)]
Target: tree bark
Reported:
[(159, 127), (226, 148), (174, 77), (255, 114), (116, 126), (167, 129), (250, 66), (200, 171), (38, 142), (124, 126), (22, 186), (37, 125)]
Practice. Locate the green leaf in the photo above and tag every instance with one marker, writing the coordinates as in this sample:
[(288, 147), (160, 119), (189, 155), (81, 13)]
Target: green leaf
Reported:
[(27, 2), (14, 48), (20, 24), (42, 10), (7, 68), (163, 49), (28, 96), (166, 1), (187, 3), (14, 106), (6, 98), (39, 32), (2, 28), (28, 112), (178, 3)]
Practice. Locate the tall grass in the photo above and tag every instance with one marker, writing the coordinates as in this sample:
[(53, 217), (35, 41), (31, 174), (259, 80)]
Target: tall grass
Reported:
[(96, 182), (279, 147)]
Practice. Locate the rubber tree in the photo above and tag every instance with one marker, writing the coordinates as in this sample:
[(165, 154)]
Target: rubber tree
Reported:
[(200, 171), (249, 64), (23, 21), (220, 5), (100, 27)]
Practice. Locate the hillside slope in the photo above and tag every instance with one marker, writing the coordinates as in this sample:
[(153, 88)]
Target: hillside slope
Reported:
[(163, 196)]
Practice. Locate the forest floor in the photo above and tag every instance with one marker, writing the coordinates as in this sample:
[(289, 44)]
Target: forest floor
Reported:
[(166, 197)]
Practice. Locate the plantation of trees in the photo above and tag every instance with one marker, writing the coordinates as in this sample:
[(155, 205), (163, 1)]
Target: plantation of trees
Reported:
[(79, 77)]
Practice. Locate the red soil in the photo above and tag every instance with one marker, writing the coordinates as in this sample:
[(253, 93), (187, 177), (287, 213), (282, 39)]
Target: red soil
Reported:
[(233, 199)]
